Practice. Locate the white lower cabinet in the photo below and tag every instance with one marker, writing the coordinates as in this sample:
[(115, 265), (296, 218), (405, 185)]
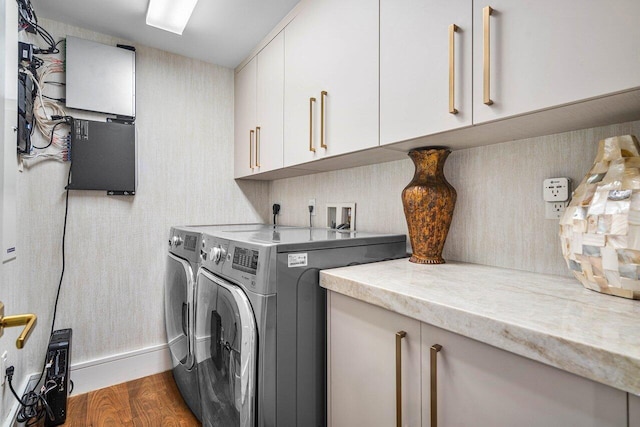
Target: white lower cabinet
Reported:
[(634, 411), (362, 365), (480, 385), (477, 385)]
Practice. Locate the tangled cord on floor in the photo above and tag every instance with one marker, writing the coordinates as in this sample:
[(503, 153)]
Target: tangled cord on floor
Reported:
[(33, 406)]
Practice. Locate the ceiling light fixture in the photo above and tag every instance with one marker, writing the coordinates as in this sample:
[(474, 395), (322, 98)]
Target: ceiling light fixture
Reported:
[(170, 15)]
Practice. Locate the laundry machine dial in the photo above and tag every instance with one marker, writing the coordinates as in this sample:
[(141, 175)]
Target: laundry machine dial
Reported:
[(217, 254)]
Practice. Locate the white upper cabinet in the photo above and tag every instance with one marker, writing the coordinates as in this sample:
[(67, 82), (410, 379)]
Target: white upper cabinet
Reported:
[(331, 80), (245, 119), (546, 53), (270, 106), (259, 110), (425, 67)]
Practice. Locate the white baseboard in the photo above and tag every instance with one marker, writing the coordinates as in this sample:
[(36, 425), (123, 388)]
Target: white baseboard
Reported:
[(119, 368), (105, 372)]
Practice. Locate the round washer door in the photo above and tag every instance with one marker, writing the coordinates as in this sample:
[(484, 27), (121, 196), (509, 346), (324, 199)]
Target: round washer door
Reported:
[(226, 351), (177, 290)]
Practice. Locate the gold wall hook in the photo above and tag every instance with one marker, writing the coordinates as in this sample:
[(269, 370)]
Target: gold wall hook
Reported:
[(26, 320)]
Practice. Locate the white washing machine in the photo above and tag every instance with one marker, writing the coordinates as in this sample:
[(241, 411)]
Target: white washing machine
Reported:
[(260, 321)]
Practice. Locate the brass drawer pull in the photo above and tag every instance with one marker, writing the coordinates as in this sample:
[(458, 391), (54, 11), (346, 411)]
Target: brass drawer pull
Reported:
[(323, 95), (257, 146), (399, 336), (453, 28), (311, 102), (434, 384), (486, 22), (251, 149)]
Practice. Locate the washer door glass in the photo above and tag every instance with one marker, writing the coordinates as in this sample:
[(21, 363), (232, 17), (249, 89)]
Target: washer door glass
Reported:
[(178, 285), (226, 346)]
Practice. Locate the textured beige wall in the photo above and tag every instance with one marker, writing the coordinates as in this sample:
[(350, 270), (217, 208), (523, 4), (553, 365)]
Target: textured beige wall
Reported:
[(112, 294), (499, 215)]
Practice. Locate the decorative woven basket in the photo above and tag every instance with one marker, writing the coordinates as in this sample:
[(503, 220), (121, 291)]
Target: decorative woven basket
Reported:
[(600, 230)]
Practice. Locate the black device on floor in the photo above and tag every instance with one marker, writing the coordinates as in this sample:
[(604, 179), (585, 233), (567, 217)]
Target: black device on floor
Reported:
[(58, 355)]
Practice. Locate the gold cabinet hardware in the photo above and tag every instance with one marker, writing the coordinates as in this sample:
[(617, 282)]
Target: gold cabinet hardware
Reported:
[(257, 146), (486, 13), (453, 28), (323, 95), (399, 336), (311, 102), (251, 149), (26, 320), (434, 384)]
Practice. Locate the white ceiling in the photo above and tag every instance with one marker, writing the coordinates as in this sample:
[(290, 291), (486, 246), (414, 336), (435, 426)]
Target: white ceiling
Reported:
[(221, 32)]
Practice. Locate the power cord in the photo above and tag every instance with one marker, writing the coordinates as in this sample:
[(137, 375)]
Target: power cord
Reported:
[(310, 214), (276, 210), (33, 406)]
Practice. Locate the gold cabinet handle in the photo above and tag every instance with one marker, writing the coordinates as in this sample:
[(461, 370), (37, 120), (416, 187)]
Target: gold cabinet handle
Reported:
[(311, 102), (26, 320), (434, 384), (257, 146), (251, 149), (486, 13), (323, 95), (399, 336), (453, 28)]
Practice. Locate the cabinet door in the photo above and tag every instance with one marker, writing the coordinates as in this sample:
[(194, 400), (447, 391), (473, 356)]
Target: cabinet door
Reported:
[(480, 385), (362, 365), (546, 53), (415, 69), (245, 119), (270, 106), (331, 46), (634, 410)]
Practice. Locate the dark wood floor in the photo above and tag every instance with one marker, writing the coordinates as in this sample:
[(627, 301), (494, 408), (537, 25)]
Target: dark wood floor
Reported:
[(151, 402)]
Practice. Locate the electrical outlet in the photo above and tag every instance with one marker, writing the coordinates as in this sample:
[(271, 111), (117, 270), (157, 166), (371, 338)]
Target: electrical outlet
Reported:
[(556, 189), (554, 210), (312, 202), (3, 367)]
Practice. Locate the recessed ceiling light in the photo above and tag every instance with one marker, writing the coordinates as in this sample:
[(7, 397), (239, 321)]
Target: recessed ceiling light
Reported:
[(170, 15)]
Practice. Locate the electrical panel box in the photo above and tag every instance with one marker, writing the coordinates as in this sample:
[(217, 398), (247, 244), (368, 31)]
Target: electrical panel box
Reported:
[(104, 157), (100, 77)]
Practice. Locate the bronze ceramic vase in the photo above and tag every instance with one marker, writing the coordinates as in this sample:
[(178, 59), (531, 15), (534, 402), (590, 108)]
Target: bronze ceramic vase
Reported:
[(428, 202)]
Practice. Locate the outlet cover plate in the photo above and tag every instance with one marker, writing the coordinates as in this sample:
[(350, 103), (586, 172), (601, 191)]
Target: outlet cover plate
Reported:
[(556, 189), (554, 210)]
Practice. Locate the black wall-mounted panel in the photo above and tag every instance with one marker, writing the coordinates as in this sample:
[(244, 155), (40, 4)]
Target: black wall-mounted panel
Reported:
[(103, 157)]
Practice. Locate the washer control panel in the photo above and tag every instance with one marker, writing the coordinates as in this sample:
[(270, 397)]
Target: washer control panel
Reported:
[(245, 259)]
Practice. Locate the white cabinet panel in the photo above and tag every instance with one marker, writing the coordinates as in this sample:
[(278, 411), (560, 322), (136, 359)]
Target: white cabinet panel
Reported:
[(634, 411), (270, 106), (362, 365), (480, 385), (546, 53), (245, 119), (331, 46), (415, 68)]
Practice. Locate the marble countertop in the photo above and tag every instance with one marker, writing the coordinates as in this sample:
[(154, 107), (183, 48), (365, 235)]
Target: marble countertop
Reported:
[(551, 319)]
